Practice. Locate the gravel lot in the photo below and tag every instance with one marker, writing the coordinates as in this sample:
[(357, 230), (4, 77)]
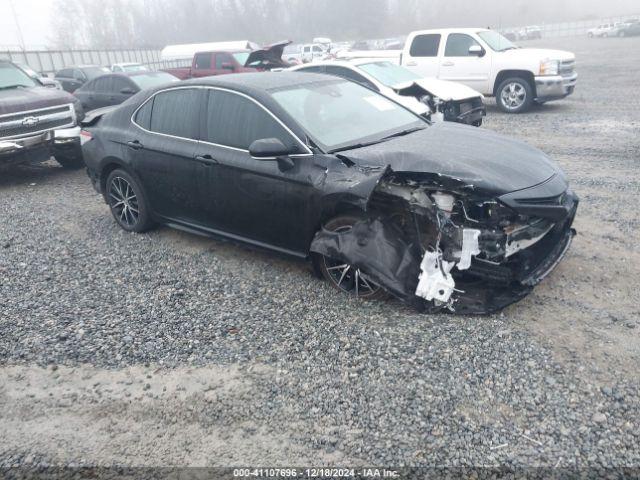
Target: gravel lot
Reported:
[(170, 349)]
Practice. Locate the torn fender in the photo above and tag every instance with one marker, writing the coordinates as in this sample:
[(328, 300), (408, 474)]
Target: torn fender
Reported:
[(379, 249)]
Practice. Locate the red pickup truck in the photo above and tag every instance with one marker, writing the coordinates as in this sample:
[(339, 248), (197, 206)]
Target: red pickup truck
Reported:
[(206, 64)]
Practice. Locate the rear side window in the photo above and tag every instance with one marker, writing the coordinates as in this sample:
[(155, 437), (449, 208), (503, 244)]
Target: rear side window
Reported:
[(101, 85), (425, 45), (458, 45), (203, 61), (175, 113), (143, 117), (235, 121)]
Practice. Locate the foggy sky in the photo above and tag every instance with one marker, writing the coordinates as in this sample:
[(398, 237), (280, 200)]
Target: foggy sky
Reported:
[(36, 16)]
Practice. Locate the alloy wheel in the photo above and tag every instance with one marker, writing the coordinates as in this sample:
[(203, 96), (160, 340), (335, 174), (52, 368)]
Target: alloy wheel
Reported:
[(513, 95), (349, 278), (124, 202)]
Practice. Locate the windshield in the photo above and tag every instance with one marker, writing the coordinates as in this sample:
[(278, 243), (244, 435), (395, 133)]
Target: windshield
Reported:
[(241, 57), (339, 114), (389, 74), (94, 72), (153, 79), (12, 77), (134, 68), (496, 41)]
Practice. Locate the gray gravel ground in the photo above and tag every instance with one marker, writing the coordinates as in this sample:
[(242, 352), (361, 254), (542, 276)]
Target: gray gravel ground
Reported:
[(169, 349)]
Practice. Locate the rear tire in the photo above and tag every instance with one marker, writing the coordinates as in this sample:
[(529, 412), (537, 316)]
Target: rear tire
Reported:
[(128, 202), (344, 277), (514, 95)]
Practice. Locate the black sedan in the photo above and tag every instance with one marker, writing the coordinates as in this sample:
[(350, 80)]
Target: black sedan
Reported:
[(72, 78), (113, 89), (443, 216)]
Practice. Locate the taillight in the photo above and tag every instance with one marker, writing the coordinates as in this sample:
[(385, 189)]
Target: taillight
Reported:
[(85, 136)]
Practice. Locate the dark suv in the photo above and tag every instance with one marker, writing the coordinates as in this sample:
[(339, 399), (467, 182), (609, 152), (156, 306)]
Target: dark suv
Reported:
[(37, 122)]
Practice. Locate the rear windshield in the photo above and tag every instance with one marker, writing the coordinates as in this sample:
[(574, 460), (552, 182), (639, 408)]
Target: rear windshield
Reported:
[(13, 77), (241, 57), (134, 68), (153, 79), (389, 74), (95, 72), (339, 114)]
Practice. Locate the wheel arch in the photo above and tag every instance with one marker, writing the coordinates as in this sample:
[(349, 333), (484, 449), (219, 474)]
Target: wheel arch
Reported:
[(524, 74)]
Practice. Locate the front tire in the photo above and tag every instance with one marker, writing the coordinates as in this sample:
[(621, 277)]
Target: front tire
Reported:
[(514, 95), (127, 202), (345, 277)]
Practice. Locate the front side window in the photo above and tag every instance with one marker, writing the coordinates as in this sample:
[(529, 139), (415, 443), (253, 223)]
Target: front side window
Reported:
[(12, 77), (203, 61), (425, 45), (389, 74), (458, 45), (175, 112), (101, 85), (338, 114), (235, 121)]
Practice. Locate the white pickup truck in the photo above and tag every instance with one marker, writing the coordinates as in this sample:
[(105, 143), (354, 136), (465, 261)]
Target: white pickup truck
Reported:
[(489, 63)]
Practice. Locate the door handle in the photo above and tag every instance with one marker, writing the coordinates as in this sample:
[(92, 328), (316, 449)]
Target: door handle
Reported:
[(206, 160), (448, 64), (412, 64), (135, 144)]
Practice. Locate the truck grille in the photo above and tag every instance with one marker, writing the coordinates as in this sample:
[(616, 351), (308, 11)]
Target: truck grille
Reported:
[(567, 68), (15, 125)]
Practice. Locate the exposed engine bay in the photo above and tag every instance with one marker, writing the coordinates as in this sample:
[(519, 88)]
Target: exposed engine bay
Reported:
[(439, 244)]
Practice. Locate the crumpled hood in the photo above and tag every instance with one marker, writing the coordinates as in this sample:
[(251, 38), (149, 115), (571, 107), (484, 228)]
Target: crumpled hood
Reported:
[(25, 99), (490, 162)]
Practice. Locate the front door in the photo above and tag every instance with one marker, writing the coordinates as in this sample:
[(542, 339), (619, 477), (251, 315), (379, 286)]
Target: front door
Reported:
[(458, 65), (262, 201)]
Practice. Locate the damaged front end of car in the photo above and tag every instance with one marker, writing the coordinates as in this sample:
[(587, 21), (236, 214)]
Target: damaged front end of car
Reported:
[(450, 101), (442, 244)]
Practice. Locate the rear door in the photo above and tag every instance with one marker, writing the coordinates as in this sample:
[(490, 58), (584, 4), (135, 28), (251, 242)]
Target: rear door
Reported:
[(423, 55), (458, 65), (253, 199), (163, 146), (122, 88), (203, 65)]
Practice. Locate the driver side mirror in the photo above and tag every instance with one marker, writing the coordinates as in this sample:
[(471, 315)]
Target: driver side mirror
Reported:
[(272, 149), (127, 91), (227, 66), (476, 50)]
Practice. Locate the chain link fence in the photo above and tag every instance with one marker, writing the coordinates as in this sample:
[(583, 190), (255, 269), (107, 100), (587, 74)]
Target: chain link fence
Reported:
[(50, 61)]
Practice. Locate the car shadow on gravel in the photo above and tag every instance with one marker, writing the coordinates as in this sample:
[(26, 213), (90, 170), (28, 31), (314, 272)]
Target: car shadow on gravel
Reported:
[(30, 173)]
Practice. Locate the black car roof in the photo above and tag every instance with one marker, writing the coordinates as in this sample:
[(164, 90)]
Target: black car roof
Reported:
[(258, 82)]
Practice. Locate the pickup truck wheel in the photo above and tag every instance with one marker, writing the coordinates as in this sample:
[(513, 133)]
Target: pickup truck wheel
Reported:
[(345, 277), (514, 95), (71, 162), (128, 202)]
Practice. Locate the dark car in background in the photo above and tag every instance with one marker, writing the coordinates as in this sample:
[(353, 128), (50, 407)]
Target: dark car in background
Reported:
[(36, 122), (630, 29), (444, 216), (115, 88), (72, 78)]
